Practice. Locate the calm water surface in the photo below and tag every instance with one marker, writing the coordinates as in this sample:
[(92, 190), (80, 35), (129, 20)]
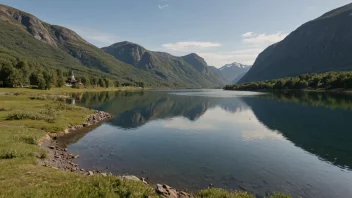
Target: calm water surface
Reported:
[(296, 143)]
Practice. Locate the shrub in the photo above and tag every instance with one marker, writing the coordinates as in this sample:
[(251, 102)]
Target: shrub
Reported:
[(30, 140), (49, 115), (23, 115), (43, 97), (10, 154)]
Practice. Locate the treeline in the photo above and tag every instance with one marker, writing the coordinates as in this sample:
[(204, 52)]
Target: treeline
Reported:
[(326, 81), (23, 74)]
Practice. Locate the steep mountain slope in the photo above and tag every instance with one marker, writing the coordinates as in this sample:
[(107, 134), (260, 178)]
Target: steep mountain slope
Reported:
[(189, 70), (24, 36), (321, 45), (218, 74), (234, 71)]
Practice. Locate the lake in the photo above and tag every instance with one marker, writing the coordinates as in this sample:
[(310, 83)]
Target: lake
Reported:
[(296, 142)]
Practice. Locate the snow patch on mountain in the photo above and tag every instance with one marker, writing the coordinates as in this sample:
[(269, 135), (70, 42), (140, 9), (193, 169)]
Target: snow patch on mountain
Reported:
[(238, 65)]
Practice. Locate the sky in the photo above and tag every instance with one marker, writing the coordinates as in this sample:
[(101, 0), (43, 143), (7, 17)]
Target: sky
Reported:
[(221, 31)]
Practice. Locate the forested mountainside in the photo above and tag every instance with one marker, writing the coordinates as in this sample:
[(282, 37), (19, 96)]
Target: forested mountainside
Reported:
[(24, 37), (189, 69)]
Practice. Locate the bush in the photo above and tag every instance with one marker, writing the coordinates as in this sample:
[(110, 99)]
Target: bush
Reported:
[(43, 97), (30, 140), (49, 115), (22, 115), (10, 154)]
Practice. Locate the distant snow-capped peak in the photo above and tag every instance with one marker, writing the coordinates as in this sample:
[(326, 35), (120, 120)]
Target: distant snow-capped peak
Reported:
[(239, 65)]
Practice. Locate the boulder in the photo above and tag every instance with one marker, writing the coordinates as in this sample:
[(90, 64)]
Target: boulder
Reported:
[(130, 177), (169, 192)]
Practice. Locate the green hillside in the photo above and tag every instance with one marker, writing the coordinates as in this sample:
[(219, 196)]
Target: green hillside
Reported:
[(180, 71), (24, 37)]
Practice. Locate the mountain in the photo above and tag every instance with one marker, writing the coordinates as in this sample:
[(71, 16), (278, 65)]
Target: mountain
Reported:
[(134, 109), (180, 71), (218, 74), (320, 45), (233, 72), (25, 37), (283, 113)]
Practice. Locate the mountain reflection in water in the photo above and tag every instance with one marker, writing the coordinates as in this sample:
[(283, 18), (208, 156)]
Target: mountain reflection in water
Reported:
[(318, 123)]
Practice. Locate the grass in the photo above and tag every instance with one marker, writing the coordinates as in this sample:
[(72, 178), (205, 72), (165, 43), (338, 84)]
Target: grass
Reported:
[(23, 122), (54, 91), (221, 193)]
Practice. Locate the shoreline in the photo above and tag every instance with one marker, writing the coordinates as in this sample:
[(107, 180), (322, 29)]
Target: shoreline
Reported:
[(32, 161), (340, 91), (59, 158)]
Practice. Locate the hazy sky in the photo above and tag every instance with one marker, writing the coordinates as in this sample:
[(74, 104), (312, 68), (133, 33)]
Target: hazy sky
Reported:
[(221, 31)]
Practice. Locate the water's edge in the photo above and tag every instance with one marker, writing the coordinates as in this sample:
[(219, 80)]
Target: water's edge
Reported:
[(58, 156)]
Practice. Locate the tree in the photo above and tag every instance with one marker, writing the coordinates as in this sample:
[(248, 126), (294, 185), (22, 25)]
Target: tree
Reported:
[(41, 81), (48, 76), (85, 81), (279, 84), (140, 84), (60, 78), (10, 76), (108, 83), (289, 84), (94, 81), (101, 82), (33, 79), (302, 84), (315, 82), (117, 84), (24, 72), (53, 79)]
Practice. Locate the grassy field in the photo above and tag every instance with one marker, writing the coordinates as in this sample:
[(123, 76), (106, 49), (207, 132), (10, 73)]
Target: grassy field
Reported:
[(25, 117), (63, 90)]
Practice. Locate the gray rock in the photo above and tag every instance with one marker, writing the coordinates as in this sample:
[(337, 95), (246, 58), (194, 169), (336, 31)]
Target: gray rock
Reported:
[(169, 192), (131, 177)]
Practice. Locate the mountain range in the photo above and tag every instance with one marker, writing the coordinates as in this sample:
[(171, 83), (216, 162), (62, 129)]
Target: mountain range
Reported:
[(321, 45), (234, 72), (189, 69), (25, 37)]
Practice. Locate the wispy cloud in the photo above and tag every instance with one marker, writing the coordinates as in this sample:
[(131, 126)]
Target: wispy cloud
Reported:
[(253, 44), (190, 45), (94, 36), (263, 39), (248, 34), (163, 6)]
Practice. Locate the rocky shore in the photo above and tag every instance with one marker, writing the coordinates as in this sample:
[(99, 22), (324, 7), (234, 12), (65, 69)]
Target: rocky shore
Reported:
[(59, 158)]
